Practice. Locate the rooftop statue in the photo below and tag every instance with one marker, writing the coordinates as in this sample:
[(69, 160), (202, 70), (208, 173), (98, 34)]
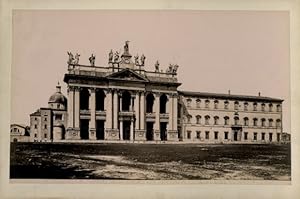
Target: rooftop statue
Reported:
[(92, 60), (76, 61), (143, 60), (175, 67), (110, 56), (126, 47), (157, 66), (116, 59), (136, 59), (169, 69), (71, 58)]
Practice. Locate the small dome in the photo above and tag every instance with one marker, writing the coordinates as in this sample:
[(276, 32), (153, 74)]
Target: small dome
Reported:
[(58, 97)]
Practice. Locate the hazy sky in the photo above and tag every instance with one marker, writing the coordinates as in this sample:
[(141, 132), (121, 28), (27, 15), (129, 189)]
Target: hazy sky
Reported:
[(244, 51)]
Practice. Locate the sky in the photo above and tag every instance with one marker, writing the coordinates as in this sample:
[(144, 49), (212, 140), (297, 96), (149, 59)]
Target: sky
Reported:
[(245, 52)]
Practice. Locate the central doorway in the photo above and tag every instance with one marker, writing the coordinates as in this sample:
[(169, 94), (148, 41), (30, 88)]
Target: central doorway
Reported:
[(126, 130), (100, 129), (149, 131), (235, 135)]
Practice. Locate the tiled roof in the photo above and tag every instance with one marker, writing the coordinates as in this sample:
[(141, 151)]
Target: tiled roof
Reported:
[(229, 96)]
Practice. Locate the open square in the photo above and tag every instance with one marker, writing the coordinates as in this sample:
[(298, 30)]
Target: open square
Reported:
[(150, 161)]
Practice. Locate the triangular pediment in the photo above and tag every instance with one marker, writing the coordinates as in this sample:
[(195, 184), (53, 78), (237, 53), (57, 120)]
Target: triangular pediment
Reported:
[(128, 75)]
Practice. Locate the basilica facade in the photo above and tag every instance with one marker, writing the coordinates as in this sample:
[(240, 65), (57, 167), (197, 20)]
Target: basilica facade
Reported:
[(124, 102)]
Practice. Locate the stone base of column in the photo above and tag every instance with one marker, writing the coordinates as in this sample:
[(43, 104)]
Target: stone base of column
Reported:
[(92, 134), (140, 135), (156, 135), (112, 134), (172, 135), (72, 134)]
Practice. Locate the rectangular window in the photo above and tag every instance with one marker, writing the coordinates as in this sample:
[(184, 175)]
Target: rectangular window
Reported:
[(198, 134), (45, 127), (270, 137), (45, 136), (226, 135), (189, 134), (45, 119), (35, 135), (207, 135), (254, 136), (245, 136), (35, 126), (278, 137), (216, 135), (262, 136), (35, 118), (58, 117)]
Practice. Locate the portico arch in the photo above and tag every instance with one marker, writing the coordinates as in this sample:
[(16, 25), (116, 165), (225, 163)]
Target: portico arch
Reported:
[(126, 101), (163, 103), (149, 103), (100, 97)]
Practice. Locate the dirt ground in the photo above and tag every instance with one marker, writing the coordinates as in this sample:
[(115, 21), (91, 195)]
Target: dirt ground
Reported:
[(150, 161)]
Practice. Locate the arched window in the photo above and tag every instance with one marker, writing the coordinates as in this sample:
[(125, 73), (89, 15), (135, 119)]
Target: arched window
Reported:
[(278, 123), (226, 104), (254, 106), (188, 102), (246, 106), (149, 103), (263, 122), (271, 107), (198, 119), (206, 103), (246, 121), (226, 120), (163, 103), (236, 120), (263, 106), (207, 118), (278, 108), (84, 99), (216, 104), (236, 105), (270, 122), (254, 121), (198, 103), (216, 120)]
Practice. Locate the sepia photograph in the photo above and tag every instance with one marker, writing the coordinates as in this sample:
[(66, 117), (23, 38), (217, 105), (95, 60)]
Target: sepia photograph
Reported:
[(150, 95)]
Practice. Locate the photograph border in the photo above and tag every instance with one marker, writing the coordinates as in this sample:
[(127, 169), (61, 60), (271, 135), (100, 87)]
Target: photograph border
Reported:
[(133, 188)]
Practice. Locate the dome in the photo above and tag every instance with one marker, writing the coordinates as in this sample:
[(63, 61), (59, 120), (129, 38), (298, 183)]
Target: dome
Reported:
[(58, 97)]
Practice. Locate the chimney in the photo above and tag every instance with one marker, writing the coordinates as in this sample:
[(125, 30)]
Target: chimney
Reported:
[(228, 92), (259, 94), (58, 88)]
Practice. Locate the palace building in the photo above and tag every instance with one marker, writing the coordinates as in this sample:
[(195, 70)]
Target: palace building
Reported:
[(125, 102)]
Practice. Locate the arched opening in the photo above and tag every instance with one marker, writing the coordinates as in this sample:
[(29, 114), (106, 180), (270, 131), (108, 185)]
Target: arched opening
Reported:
[(84, 99), (236, 120), (100, 96), (126, 98), (163, 103), (149, 103), (246, 121), (15, 140)]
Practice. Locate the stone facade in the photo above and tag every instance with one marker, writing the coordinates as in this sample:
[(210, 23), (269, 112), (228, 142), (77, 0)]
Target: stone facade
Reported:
[(125, 102), (221, 118)]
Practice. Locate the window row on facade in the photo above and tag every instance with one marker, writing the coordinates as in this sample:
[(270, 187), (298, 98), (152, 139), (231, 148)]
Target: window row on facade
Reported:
[(206, 135), (237, 105), (246, 122)]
